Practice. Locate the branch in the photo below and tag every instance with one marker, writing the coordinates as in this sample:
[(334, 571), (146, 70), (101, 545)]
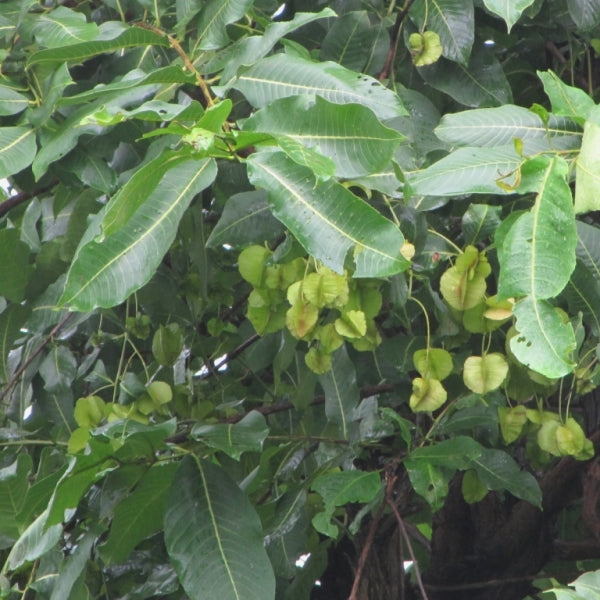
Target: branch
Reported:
[(394, 36), (21, 197)]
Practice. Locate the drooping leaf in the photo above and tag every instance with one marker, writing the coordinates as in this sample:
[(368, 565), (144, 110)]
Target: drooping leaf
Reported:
[(14, 484), (566, 100), (17, 149), (313, 213), (498, 471), (588, 166), (15, 266), (213, 19), (12, 320), (140, 513), (509, 10), (282, 75), (427, 395), (123, 37), (214, 537), (538, 252), (350, 134), (585, 13), (433, 362), (480, 221), (453, 21), (468, 171), (63, 27), (503, 125), (545, 342), (247, 435), (341, 393), (480, 83), (430, 481), (106, 270), (583, 295)]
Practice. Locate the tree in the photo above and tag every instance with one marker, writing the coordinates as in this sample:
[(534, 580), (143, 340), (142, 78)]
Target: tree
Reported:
[(299, 301)]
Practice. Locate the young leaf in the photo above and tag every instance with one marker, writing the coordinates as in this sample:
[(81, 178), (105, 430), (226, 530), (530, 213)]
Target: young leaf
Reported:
[(427, 395), (214, 536), (312, 212), (482, 374), (433, 362)]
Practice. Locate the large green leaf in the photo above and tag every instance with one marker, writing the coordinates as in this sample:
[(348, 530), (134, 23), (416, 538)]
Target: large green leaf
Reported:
[(588, 247), (107, 269), (341, 393), (349, 134), (140, 514), (247, 435), (583, 295), (283, 75), (11, 320), (588, 165), (62, 27), (215, 15), (214, 536), (122, 37), (468, 171), (481, 83), (455, 453), (327, 219), (538, 252), (501, 126), (509, 10), (15, 266), (453, 21), (13, 487), (585, 13), (545, 341), (354, 42), (566, 100), (11, 101), (17, 149)]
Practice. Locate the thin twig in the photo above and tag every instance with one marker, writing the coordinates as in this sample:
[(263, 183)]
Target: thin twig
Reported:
[(390, 501), (32, 356), (362, 559), (394, 36), (21, 197)]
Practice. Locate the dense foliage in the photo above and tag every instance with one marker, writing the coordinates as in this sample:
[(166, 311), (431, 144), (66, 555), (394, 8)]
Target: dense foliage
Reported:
[(299, 301)]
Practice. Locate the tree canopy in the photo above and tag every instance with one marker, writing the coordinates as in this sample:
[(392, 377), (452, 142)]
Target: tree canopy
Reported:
[(299, 301)]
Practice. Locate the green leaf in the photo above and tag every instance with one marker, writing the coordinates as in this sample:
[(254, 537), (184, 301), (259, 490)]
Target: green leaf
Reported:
[(433, 362), (480, 221), (481, 83), (11, 101), (498, 471), (468, 171), (248, 435), (167, 344), (214, 537), (545, 342), (588, 165), (453, 21), (427, 395), (355, 43), (501, 126), (509, 10), (585, 13), (482, 374), (123, 37), (350, 134), (512, 421), (583, 295), (429, 481), (107, 270), (588, 585), (283, 75), (35, 541), (455, 453), (14, 484), (62, 27), (538, 252), (12, 320), (341, 393), (312, 212), (214, 17), (17, 149), (15, 267), (472, 488), (140, 514), (566, 100), (246, 220)]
